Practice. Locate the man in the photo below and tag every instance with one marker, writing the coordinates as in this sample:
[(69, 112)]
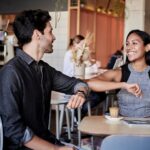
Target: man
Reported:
[(26, 83)]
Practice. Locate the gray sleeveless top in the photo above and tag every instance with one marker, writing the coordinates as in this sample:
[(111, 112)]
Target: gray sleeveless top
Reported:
[(131, 105)]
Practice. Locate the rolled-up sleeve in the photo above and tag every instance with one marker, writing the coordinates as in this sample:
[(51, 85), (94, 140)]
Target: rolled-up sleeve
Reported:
[(28, 134), (65, 84), (10, 108), (81, 85)]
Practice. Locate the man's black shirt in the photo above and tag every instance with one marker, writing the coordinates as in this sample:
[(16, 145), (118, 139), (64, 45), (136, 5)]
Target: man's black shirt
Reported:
[(25, 91)]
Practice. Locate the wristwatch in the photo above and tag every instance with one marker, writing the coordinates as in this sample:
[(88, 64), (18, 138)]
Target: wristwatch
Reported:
[(82, 92)]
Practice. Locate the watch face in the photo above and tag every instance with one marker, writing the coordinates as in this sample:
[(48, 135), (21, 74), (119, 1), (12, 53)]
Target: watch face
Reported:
[(82, 93)]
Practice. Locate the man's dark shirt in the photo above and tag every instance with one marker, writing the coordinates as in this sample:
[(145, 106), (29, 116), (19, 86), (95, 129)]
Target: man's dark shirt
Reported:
[(25, 91)]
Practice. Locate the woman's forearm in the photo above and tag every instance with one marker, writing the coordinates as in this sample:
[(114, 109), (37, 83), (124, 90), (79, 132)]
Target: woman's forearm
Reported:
[(99, 85)]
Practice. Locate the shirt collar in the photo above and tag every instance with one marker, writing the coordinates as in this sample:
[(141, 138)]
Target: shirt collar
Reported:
[(24, 56)]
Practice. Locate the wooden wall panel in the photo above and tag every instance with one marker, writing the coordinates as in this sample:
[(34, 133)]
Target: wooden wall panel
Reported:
[(86, 22), (73, 23), (108, 32), (101, 38), (109, 36)]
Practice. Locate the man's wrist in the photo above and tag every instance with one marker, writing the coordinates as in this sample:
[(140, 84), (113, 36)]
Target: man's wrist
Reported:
[(81, 93)]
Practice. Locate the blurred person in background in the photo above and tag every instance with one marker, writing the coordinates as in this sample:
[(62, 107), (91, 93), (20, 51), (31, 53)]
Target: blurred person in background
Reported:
[(119, 54)]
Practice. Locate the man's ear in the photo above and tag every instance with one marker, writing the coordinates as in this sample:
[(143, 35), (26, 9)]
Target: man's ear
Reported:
[(147, 48), (36, 34)]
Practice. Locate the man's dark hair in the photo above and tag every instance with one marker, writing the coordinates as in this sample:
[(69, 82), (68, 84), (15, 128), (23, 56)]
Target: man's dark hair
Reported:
[(27, 21)]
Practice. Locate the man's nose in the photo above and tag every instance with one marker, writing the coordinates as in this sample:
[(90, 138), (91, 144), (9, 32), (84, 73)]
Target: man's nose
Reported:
[(54, 38)]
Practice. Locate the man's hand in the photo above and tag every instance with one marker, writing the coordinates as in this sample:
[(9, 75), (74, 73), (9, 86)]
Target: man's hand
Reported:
[(40, 144), (134, 89), (76, 100), (66, 148)]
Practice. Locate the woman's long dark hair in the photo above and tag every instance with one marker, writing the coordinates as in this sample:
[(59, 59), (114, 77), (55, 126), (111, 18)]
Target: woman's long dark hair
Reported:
[(146, 40)]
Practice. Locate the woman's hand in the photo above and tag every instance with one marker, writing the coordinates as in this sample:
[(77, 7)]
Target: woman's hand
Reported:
[(133, 88)]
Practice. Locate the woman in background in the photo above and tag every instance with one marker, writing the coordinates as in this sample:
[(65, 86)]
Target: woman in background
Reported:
[(68, 67)]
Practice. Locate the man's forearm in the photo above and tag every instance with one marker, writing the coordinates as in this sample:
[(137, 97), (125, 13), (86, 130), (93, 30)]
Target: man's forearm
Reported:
[(40, 144)]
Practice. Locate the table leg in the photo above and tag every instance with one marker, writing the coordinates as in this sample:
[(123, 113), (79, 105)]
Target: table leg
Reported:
[(79, 133)]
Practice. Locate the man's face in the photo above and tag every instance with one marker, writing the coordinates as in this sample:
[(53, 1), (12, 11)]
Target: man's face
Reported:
[(47, 39)]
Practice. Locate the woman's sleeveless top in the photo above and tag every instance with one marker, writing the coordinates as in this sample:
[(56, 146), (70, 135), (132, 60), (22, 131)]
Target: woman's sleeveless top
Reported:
[(131, 105)]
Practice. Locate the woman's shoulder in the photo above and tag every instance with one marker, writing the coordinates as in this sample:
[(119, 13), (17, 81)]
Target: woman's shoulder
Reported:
[(68, 53), (112, 74)]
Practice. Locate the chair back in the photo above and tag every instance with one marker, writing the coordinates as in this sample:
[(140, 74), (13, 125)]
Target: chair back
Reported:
[(126, 142), (1, 135)]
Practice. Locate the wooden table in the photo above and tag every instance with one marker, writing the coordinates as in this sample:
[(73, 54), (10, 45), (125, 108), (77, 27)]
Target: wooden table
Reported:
[(99, 125)]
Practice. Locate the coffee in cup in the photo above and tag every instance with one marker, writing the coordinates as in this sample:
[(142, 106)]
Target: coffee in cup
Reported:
[(114, 111)]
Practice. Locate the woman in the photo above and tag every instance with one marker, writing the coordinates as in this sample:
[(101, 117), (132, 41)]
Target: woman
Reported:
[(136, 71), (68, 67)]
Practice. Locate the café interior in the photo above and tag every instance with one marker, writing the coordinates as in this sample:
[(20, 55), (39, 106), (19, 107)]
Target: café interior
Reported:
[(109, 22)]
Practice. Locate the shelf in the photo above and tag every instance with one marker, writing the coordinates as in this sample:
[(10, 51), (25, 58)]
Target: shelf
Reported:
[(73, 7)]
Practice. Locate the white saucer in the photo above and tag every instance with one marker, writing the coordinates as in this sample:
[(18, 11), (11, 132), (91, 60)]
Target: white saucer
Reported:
[(112, 118)]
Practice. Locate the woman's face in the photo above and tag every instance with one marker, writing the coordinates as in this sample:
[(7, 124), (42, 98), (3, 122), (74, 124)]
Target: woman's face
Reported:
[(135, 48), (76, 41)]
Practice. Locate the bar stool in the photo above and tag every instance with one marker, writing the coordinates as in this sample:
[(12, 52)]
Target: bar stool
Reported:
[(60, 105)]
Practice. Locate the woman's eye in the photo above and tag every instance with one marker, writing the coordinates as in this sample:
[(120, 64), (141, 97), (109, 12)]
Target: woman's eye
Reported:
[(127, 44)]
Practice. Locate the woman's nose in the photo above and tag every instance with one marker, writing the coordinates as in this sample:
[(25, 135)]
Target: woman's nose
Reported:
[(129, 46)]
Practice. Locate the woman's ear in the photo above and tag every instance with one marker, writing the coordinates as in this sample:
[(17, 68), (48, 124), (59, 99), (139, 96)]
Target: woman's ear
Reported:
[(147, 48)]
